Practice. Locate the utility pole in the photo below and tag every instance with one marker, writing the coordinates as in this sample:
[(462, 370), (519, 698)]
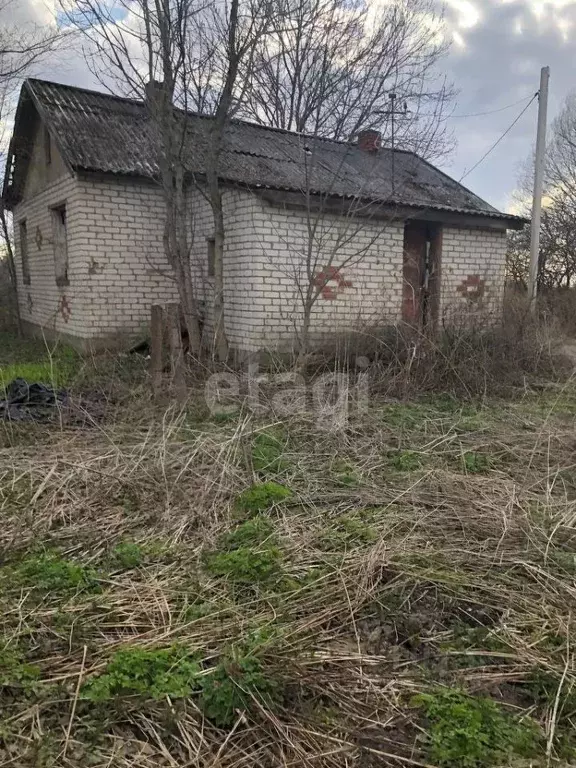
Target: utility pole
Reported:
[(538, 185)]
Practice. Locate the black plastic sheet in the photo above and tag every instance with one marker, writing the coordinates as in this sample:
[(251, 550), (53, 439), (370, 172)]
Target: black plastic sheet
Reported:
[(30, 402)]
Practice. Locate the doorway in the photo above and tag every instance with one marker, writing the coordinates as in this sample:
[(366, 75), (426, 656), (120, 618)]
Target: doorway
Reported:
[(421, 273)]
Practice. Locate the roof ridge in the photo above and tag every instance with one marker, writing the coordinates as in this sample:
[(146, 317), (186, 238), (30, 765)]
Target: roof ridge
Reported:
[(234, 120)]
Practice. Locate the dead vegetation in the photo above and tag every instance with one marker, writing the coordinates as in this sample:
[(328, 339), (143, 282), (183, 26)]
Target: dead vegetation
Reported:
[(185, 590)]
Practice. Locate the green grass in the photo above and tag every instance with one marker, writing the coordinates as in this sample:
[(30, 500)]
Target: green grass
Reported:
[(32, 360), (420, 614), (405, 461), (268, 453), (477, 463)]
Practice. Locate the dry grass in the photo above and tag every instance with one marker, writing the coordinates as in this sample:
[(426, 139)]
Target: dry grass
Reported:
[(426, 543)]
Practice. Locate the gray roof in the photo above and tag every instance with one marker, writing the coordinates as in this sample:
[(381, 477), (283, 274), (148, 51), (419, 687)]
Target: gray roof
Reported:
[(100, 132)]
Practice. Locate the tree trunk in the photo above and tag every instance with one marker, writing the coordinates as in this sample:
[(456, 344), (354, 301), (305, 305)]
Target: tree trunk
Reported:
[(13, 275), (304, 337), (220, 341)]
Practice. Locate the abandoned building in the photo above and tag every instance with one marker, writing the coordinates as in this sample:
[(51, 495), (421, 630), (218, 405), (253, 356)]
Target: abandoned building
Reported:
[(384, 239)]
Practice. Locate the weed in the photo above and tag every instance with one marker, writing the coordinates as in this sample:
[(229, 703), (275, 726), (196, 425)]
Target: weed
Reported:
[(251, 533), (405, 461), (261, 496), (153, 674), (466, 639), (245, 565), (405, 415), (50, 572), (127, 555), (347, 531), (471, 732), (249, 556), (232, 686), (15, 672), (267, 453), (477, 463)]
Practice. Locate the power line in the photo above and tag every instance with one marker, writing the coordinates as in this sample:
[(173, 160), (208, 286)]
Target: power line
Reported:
[(506, 132), (492, 111)]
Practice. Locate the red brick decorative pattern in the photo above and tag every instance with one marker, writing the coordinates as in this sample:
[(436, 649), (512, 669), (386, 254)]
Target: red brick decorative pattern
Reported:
[(331, 275), (65, 309), (473, 288)]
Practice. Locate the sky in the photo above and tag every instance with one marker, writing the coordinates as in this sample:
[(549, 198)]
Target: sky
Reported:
[(498, 48)]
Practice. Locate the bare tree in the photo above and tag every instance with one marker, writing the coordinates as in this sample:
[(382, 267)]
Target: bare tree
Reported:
[(198, 50), (327, 70), (145, 49), (557, 257), (329, 67)]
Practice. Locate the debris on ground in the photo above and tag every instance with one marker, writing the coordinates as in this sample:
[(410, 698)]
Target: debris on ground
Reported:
[(31, 402)]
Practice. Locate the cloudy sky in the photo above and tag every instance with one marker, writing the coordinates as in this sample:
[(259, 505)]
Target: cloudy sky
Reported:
[(497, 51)]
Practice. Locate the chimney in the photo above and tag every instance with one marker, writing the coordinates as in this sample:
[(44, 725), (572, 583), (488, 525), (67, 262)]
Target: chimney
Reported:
[(154, 91), (370, 140)]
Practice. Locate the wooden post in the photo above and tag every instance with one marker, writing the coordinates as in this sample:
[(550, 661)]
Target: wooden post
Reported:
[(156, 348), (176, 351)]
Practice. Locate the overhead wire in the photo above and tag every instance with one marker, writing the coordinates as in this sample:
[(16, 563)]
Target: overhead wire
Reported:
[(500, 139), (492, 111)]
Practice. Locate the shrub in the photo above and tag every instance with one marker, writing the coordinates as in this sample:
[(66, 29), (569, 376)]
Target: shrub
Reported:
[(262, 496), (152, 674), (469, 732)]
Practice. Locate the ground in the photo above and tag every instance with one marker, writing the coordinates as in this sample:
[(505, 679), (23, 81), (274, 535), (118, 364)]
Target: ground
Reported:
[(181, 588)]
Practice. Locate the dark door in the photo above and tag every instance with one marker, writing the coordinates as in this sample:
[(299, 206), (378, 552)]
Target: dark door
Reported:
[(421, 273)]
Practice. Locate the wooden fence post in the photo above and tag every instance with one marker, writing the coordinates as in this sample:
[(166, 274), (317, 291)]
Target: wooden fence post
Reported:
[(156, 348), (176, 351)]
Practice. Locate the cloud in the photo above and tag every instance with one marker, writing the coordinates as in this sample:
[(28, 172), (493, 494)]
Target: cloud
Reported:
[(499, 47), (498, 62)]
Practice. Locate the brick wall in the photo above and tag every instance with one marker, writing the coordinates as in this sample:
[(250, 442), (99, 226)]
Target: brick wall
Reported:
[(473, 271), (117, 262), (59, 309), (357, 264), (117, 267)]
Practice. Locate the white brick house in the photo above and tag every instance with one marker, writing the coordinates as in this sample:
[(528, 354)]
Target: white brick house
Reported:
[(82, 184)]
